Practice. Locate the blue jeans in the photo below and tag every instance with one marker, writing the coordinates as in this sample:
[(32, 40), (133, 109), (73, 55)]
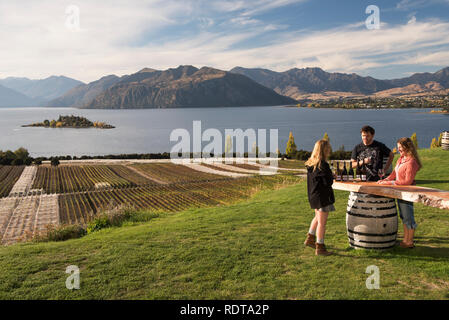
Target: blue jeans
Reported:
[(406, 213)]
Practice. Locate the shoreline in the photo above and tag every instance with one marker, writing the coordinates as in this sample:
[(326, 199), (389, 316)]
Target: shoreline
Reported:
[(373, 108), (66, 127)]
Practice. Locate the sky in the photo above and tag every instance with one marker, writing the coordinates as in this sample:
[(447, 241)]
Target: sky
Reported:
[(89, 39)]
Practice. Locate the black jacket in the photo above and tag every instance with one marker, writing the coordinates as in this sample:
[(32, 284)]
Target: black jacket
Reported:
[(319, 186)]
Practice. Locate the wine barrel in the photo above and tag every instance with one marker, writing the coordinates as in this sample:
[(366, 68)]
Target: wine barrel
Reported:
[(445, 140), (371, 221)]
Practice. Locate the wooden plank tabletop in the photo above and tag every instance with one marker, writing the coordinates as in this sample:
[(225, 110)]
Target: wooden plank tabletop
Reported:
[(428, 196)]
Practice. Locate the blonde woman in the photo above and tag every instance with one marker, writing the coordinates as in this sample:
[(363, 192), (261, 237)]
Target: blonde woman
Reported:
[(404, 174), (321, 195)]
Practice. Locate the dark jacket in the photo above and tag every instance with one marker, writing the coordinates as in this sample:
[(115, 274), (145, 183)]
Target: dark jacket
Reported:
[(319, 186)]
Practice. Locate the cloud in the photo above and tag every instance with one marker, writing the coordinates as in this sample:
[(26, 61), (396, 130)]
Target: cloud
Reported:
[(122, 38), (413, 4), (251, 7), (439, 58)]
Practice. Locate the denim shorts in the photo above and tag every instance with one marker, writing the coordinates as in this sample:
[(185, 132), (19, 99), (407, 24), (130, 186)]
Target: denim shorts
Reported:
[(327, 208), (406, 212)]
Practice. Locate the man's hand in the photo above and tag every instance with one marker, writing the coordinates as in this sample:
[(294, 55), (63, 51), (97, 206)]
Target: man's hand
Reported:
[(367, 160), (384, 182), (356, 163)]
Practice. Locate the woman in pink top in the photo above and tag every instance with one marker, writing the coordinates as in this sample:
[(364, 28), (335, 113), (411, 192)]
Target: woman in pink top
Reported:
[(407, 166)]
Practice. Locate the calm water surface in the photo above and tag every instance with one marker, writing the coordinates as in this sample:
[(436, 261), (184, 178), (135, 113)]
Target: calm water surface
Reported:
[(148, 131)]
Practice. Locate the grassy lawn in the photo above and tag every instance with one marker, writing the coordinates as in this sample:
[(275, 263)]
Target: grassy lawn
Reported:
[(249, 250), (291, 164)]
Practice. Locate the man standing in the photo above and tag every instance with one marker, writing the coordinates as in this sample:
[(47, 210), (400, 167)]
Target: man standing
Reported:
[(369, 154)]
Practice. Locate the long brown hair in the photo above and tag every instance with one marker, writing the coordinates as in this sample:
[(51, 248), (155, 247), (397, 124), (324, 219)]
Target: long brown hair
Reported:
[(410, 150), (318, 154)]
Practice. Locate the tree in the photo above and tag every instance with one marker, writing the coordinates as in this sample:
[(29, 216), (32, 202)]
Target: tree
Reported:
[(440, 139), (17, 162), (54, 162), (414, 140), (22, 154), (326, 137), (46, 123), (291, 148), (7, 157), (228, 144), (434, 144)]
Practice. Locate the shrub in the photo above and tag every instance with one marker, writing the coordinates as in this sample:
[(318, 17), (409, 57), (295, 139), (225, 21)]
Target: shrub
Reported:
[(112, 217), (98, 223), (60, 233), (303, 155), (340, 154), (414, 140), (434, 144)]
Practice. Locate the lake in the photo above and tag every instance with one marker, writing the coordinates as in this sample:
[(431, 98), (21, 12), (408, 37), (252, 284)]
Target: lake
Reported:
[(148, 130)]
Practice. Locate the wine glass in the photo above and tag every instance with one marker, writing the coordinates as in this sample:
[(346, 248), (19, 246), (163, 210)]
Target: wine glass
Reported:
[(381, 173)]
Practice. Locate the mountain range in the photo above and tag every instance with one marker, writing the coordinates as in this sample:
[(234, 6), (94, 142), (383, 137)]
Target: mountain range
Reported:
[(315, 83), (188, 86), (25, 92)]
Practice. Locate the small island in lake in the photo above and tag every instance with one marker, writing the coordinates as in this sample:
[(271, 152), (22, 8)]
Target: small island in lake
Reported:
[(71, 122)]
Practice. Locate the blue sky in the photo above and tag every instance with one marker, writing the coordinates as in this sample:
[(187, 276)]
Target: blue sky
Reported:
[(42, 38)]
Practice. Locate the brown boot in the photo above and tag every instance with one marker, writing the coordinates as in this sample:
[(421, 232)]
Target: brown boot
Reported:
[(321, 250), (310, 240)]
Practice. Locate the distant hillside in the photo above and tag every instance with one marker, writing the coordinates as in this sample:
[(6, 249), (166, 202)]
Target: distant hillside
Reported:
[(314, 83), (41, 91), (84, 93), (186, 86), (413, 89), (12, 98), (441, 77)]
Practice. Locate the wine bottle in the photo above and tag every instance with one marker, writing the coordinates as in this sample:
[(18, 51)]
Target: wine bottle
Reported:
[(363, 174), (351, 173), (358, 172), (345, 172), (338, 176), (332, 167)]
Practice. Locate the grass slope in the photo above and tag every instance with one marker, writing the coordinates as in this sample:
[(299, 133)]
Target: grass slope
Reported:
[(249, 250)]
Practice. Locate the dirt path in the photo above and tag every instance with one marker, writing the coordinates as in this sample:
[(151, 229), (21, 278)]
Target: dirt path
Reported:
[(25, 182), (143, 174), (243, 170), (198, 167), (277, 168)]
